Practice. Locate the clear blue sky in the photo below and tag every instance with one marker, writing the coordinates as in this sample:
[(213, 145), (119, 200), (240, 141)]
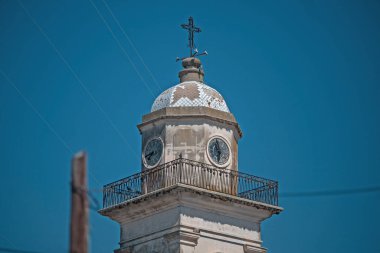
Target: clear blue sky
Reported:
[(301, 77)]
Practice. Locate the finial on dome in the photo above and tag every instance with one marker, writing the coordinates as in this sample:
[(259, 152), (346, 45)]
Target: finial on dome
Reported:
[(192, 70)]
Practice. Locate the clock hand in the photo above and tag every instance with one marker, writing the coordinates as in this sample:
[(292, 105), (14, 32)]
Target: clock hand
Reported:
[(148, 156), (219, 152), (217, 145)]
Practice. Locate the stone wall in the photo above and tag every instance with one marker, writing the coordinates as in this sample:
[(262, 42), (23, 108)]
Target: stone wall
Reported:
[(188, 134)]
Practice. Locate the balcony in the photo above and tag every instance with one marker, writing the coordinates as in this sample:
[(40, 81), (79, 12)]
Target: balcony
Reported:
[(192, 173)]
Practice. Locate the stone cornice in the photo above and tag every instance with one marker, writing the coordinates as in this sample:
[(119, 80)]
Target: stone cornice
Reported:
[(191, 113), (177, 198), (253, 249)]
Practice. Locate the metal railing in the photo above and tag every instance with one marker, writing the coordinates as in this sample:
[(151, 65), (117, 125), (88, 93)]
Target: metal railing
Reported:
[(188, 172)]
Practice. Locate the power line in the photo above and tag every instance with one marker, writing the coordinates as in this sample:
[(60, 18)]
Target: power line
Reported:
[(330, 192), (132, 44), (12, 250), (42, 118), (94, 202), (45, 121), (8, 241), (83, 86), (122, 48)]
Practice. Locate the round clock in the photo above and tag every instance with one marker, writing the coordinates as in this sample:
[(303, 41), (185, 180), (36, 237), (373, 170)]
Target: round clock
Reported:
[(219, 151), (153, 152)]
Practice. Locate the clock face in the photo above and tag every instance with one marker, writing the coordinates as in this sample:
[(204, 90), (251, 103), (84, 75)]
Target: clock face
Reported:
[(153, 152), (219, 151)]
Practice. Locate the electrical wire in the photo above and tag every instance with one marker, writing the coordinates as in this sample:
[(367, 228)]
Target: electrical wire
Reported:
[(132, 44), (83, 86), (13, 250), (42, 118), (330, 192), (308, 194), (45, 121), (122, 48)]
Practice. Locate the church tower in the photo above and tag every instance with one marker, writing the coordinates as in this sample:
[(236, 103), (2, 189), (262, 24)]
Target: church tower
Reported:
[(190, 196)]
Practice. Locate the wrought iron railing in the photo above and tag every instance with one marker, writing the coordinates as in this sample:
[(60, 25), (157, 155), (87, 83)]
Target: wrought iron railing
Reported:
[(188, 172)]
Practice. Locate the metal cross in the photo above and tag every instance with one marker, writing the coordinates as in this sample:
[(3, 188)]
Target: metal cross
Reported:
[(191, 29)]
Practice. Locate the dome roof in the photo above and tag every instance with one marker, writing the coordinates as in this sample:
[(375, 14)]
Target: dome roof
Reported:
[(190, 94)]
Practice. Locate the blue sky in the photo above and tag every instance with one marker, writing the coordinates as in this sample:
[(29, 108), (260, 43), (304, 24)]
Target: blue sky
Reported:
[(301, 77)]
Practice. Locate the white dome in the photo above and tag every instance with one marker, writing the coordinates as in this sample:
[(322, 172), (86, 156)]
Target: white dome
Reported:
[(190, 94)]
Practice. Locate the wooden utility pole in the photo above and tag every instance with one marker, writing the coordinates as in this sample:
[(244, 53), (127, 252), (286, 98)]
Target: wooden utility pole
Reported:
[(79, 204)]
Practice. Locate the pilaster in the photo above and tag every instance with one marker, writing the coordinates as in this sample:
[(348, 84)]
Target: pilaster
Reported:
[(182, 241)]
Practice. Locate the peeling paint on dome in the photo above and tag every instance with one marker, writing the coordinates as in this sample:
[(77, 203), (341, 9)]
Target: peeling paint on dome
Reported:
[(190, 94)]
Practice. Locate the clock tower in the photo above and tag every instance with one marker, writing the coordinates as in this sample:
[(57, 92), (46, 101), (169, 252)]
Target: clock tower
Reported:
[(190, 120), (190, 196)]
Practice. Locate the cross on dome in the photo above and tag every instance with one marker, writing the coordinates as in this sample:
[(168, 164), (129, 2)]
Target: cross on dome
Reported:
[(191, 29), (191, 91)]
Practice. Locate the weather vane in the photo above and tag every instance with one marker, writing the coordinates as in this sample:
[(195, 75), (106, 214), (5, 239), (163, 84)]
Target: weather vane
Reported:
[(191, 30)]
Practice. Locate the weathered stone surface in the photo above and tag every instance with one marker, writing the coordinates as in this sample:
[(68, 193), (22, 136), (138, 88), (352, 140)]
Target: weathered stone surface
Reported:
[(189, 219), (208, 216), (187, 131)]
